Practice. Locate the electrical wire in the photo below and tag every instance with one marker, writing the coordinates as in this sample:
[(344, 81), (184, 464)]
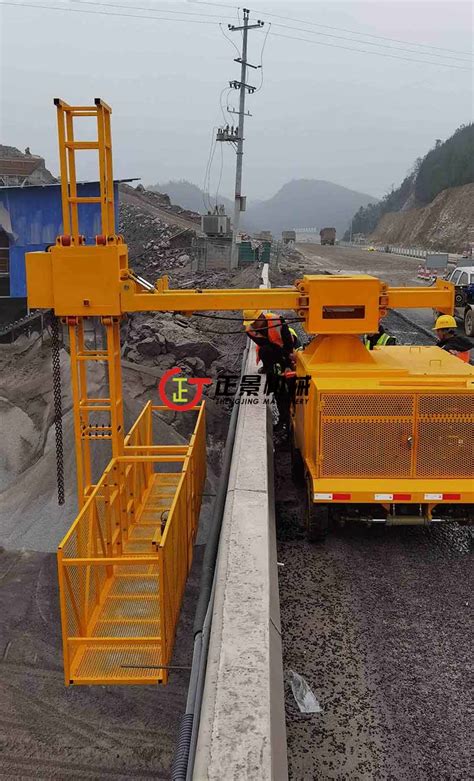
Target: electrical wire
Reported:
[(261, 58), (154, 10), (229, 39), (228, 89), (365, 51), (220, 174), (370, 43), (209, 171), (202, 21), (100, 13), (208, 205), (332, 27), (356, 32)]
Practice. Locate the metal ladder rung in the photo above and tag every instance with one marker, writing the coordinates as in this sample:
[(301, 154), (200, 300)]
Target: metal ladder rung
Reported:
[(89, 199), (81, 144)]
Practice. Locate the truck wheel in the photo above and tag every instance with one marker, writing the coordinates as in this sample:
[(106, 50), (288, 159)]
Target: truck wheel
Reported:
[(317, 518), (469, 322)]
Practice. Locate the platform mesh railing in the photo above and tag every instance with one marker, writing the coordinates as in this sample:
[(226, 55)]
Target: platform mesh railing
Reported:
[(124, 562)]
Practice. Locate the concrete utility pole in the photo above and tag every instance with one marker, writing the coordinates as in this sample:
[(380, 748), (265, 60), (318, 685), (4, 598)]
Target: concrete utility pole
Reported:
[(237, 136)]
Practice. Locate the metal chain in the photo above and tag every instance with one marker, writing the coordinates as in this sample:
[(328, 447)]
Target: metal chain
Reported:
[(58, 412)]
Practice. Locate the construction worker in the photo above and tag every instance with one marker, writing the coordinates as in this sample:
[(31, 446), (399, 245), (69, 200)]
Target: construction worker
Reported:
[(380, 339), (276, 344), (449, 340), (275, 340)]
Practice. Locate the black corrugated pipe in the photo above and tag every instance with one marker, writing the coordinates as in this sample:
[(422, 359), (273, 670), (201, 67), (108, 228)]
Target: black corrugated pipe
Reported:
[(188, 727)]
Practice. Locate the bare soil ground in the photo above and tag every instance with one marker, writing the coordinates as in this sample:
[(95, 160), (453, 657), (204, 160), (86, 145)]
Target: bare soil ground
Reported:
[(48, 731)]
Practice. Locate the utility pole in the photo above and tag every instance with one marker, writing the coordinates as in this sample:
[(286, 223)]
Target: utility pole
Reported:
[(236, 135)]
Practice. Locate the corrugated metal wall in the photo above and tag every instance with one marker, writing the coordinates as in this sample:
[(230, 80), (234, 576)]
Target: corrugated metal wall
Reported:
[(36, 220)]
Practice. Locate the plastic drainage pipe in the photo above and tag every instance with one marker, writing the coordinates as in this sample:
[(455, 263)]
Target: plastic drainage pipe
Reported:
[(183, 760)]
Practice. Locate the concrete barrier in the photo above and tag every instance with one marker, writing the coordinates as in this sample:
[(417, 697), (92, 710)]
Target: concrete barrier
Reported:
[(242, 733)]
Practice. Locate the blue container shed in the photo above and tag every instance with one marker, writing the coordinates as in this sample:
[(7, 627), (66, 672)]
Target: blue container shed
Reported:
[(30, 220)]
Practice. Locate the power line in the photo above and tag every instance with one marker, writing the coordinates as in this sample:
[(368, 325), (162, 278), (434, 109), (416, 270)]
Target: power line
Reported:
[(366, 35), (220, 175), (338, 29), (261, 58), (101, 13), (202, 21), (208, 205), (229, 39), (154, 10), (377, 54), (370, 43)]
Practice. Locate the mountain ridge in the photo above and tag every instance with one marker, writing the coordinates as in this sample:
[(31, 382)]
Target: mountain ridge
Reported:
[(299, 203)]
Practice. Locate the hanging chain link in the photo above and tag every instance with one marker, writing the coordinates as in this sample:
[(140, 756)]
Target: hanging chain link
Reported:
[(58, 412)]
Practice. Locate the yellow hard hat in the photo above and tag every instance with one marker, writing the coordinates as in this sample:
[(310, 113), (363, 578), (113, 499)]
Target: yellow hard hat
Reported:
[(445, 321), (250, 315)]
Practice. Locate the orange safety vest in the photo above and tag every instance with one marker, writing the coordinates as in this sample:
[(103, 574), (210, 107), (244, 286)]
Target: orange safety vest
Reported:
[(463, 356), (273, 331)]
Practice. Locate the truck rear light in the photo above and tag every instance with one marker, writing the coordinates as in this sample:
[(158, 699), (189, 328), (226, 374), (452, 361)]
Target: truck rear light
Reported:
[(331, 497), (392, 497), (441, 497)]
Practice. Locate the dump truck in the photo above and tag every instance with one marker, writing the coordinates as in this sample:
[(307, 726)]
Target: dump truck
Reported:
[(327, 236)]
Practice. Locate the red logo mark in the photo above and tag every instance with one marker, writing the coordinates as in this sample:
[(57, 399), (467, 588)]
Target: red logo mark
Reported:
[(178, 399)]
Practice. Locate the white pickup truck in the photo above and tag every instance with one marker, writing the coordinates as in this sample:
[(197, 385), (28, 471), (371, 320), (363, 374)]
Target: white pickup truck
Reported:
[(463, 280)]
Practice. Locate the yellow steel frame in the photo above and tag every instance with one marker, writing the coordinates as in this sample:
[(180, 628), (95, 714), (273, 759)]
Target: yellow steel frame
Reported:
[(68, 147), (124, 562)]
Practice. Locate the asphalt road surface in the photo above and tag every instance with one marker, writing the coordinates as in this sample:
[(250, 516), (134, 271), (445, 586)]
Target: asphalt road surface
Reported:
[(378, 621), (394, 269)]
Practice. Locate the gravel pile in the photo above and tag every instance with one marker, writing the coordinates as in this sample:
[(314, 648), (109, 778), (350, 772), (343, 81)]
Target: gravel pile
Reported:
[(148, 240)]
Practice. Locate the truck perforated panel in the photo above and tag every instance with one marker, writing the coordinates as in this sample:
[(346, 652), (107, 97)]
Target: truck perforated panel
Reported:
[(397, 435), (367, 405), (445, 442), (366, 448)]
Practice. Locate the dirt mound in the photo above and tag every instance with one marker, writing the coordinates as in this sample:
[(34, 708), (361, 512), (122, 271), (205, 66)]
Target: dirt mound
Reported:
[(442, 225)]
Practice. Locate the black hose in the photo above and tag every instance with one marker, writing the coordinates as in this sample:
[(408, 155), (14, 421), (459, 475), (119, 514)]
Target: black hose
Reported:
[(180, 759)]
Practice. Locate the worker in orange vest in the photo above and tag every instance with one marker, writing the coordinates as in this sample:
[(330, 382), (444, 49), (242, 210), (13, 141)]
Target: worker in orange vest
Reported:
[(276, 344), (449, 340), (275, 341)]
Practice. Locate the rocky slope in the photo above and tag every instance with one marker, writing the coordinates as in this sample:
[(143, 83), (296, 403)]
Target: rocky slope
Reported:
[(442, 225), (39, 173)]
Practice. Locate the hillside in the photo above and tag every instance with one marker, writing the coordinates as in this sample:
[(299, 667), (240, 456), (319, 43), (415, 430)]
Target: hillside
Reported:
[(188, 195), (448, 164), (301, 203), (305, 203), (442, 225)]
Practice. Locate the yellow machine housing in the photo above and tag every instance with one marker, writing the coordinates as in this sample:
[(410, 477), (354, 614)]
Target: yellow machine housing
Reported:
[(386, 435)]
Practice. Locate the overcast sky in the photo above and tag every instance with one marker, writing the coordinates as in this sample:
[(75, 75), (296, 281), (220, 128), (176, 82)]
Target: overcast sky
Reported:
[(323, 112)]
